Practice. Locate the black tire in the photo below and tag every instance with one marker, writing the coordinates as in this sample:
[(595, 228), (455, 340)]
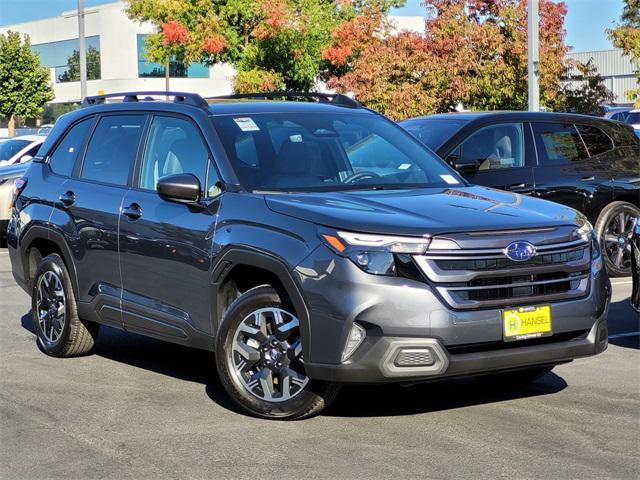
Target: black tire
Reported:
[(607, 222), (517, 377), (309, 400), (77, 337)]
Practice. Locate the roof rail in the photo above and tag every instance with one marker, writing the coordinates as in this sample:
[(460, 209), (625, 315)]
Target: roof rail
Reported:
[(192, 99), (334, 98)]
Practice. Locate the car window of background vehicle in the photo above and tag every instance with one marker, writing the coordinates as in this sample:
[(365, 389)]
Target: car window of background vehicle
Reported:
[(494, 147), (559, 143), (596, 140), (8, 148)]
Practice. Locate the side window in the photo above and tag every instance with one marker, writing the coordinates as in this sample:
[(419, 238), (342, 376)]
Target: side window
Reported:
[(494, 147), (558, 143), (174, 145), (32, 152), (64, 156), (596, 140), (112, 149)]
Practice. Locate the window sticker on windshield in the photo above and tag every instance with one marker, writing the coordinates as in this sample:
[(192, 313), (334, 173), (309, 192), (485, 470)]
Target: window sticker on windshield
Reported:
[(246, 124), (404, 166), (297, 138), (450, 179)]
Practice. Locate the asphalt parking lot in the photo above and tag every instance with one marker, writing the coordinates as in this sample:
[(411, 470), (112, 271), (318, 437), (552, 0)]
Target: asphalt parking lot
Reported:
[(140, 408)]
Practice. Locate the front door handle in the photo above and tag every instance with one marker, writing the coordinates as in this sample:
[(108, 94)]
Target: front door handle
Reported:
[(68, 198), (587, 179), (133, 211)]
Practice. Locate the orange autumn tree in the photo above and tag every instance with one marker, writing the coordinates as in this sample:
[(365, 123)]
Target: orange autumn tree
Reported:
[(473, 52)]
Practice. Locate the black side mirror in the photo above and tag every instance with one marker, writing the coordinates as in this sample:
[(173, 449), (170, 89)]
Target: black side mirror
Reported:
[(180, 188)]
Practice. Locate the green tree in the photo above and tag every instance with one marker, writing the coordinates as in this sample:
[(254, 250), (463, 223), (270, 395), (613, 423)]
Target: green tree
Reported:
[(627, 37), (72, 74), (24, 83)]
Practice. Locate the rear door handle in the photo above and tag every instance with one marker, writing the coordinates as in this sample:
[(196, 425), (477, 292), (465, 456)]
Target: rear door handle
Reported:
[(521, 187), (133, 211), (68, 198)]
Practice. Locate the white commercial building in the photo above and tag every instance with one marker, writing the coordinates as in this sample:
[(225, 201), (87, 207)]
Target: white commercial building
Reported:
[(115, 55)]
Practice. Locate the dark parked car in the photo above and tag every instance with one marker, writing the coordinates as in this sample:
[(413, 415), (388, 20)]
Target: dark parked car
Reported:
[(587, 163), (243, 227), (635, 264)]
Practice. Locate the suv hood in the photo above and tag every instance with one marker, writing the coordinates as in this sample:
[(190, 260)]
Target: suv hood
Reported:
[(422, 211)]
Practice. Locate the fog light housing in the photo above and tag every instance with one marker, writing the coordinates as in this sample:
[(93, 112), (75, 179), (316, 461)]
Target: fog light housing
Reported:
[(355, 338)]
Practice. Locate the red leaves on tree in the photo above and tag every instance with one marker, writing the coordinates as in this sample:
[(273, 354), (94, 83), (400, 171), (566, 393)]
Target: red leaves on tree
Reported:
[(473, 51), (174, 33), (214, 44), (276, 16)]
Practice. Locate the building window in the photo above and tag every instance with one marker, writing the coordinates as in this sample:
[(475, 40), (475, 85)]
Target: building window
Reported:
[(64, 57), (176, 69)]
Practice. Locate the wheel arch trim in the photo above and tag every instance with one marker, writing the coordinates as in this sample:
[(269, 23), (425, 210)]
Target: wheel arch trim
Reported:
[(236, 256)]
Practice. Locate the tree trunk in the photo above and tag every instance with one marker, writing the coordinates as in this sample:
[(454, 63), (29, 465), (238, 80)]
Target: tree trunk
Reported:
[(12, 126)]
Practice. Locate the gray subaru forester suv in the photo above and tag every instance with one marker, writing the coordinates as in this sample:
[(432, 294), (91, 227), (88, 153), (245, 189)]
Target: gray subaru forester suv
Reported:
[(308, 241)]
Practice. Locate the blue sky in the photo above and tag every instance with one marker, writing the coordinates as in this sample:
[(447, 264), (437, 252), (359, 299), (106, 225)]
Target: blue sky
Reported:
[(585, 23)]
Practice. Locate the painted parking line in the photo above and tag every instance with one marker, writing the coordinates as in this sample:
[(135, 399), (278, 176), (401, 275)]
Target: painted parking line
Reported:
[(624, 335), (621, 282)]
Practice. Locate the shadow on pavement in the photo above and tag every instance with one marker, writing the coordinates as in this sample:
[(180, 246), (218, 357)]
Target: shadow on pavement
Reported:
[(623, 319), (392, 400), (354, 401)]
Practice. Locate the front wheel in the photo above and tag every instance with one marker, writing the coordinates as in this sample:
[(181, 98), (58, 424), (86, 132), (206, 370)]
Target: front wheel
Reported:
[(615, 230), (260, 359)]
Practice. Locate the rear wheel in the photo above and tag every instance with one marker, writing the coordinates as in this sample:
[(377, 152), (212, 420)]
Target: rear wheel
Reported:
[(59, 331), (615, 230), (260, 359)]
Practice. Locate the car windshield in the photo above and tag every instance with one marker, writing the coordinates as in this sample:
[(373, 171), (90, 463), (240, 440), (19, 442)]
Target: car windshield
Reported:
[(327, 151), (8, 148), (432, 132)]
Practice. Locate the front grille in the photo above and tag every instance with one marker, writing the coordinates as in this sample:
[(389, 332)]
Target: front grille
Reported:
[(501, 263), (484, 277)]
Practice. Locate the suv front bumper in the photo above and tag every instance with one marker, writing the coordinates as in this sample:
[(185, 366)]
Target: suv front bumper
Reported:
[(407, 317), (377, 363)]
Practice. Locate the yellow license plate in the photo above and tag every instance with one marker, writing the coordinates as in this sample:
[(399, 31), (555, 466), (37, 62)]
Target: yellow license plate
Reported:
[(526, 322)]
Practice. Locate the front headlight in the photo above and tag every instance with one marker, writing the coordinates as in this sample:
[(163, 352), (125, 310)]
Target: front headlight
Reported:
[(376, 254)]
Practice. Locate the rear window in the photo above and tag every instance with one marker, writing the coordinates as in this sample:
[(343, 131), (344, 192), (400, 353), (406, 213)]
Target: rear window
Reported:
[(327, 151), (433, 132), (559, 143), (596, 140)]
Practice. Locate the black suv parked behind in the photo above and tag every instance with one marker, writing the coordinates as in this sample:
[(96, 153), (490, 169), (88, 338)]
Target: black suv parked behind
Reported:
[(243, 227), (587, 163)]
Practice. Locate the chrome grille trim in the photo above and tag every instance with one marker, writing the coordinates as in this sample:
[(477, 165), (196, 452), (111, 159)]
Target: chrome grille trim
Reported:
[(551, 278)]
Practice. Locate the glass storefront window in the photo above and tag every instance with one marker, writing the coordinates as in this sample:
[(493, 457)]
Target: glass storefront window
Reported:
[(176, 70), (64, 57)]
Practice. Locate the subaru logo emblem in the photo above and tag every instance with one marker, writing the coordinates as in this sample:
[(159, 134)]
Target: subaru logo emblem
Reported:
[(520, 251)]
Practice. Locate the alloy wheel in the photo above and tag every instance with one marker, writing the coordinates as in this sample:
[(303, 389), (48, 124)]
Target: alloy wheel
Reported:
[(266, 356), (51, 306), (617, 239)]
